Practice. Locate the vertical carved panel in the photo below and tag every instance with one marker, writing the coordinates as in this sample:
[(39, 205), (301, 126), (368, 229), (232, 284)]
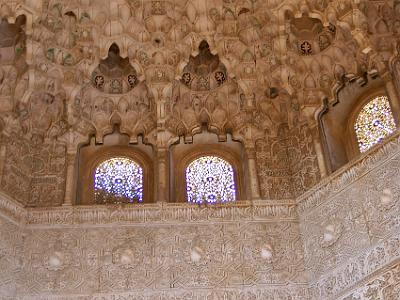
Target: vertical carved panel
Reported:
[(17, 170), (34, 174), (48, 175), (287, 164), (274, 168), (303, 160)]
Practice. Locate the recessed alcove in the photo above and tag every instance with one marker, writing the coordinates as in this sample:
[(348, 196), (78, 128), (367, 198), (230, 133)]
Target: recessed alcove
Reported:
[(206, 143), (114, 145), (338, 120)]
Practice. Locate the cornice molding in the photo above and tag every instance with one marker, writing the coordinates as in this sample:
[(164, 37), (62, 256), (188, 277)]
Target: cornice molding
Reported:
[(293, 291), (159, 213)]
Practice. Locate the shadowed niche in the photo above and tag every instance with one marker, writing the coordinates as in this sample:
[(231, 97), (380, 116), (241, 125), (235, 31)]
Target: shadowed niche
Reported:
[(309, 36), (12, 39), (204, 71), (114, 75)]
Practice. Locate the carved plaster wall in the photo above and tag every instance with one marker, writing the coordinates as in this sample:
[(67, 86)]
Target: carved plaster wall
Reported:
[(351, 227), (349, 233), (261, 72), (154, 252), (34, 174), (11, 257)]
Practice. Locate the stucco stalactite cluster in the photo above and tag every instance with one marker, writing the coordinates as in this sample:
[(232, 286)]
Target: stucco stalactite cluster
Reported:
[(279, 78)]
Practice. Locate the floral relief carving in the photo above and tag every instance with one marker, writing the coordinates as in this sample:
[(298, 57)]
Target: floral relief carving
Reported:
[(252, 252), (256, 72)]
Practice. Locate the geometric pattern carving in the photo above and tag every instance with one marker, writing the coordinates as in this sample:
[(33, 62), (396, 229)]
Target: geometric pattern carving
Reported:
[(341, 220), (185, 259), (62, 76), (235, 252)]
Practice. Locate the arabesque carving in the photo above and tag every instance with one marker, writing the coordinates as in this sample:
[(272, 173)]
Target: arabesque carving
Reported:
[(261, 73)]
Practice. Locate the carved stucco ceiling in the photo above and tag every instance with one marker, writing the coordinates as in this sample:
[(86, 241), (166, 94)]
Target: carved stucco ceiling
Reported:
[(239, 66)]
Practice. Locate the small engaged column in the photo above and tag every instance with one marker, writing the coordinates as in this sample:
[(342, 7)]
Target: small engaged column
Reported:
[(162, 175), (319, 150), (2, 160), (69, 182), (254, 185)]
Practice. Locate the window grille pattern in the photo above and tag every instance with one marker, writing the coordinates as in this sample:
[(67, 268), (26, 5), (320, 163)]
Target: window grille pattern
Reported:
[(374, 123), (118, 180), (210, 179)]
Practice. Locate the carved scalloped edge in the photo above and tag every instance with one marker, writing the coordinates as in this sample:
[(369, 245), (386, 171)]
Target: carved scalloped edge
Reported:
[(348, 174), (360, 263), (294, 292), (162, 213), (148, 213)]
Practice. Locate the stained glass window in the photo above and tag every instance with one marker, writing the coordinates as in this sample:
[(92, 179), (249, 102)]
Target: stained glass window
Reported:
[(210, 179), (374, 123), (118, 180)]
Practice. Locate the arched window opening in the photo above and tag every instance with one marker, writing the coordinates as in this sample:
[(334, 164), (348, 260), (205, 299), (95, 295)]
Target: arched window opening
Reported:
[(374, 122), (118, 180), (210, 179)]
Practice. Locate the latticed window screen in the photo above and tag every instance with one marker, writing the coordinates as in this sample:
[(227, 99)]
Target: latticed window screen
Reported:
[(118, 180), (210, 179), (374, 123)]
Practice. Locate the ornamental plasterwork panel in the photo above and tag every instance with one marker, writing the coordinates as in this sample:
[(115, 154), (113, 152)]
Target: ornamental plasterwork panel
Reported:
[(123, 259), (273, 293), (383, 286), (358, 211), (274, 63), (35, 173), (334, 232), (62, 260), (284, 171), (351, 276), (268, 67)]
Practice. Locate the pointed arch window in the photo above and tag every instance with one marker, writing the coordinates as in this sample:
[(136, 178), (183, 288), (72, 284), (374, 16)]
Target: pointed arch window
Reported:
[(210, 179), (374, 122), (118, 180)]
